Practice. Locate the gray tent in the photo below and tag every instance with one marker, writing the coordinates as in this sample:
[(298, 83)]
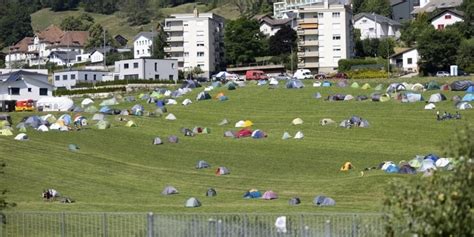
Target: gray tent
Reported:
[(317, 95), (294, 201), (323, 201), (211, 192), (169, 190), (229, 134), (157, 141), (91, 109), (224, 122), (202, 165), (173, 139), (193, 202), (98, 117), (73, 147)]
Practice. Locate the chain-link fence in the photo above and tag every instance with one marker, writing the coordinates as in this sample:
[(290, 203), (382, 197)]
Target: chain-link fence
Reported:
[(189, 225)]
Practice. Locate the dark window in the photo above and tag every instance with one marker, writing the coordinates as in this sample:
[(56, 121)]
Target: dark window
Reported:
[(85, 77), (135, 65), (156, 67), (73, 76), (64, 77), (43, 91), (125, 66), (95, 77), (171, 77), (57, 78), (440, 26), (29, 89), (447, 17), (14, 91), (409, 60)]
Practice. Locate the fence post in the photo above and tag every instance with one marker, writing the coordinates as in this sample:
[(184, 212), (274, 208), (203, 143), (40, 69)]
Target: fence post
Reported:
[(105, 225), (354, 225), (219, 228), (327, 227), (150, 225), (63, 224)]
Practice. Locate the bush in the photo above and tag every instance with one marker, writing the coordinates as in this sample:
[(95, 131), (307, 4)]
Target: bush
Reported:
[(367, 74), (60, 92), (123, 82), (346, 64)]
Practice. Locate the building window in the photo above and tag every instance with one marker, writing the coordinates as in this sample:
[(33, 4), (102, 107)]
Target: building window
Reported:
[(85, 77), (200, 44), (43, 91), (95, 77), (336, 49), (135, 65), (447, 17), (336, 37), (29, 89), (409, 60), (138, 51), (186, 54), (172, 65), (336, 14), (201, 65), (320, 14), (200, 54), (157, 76), (14, 91), (371, 29), (57, 78), (125, 65), (440, 27), (200, 33), (364, 21), (171, 77), (64, 77), (73, 76), (156, 67)]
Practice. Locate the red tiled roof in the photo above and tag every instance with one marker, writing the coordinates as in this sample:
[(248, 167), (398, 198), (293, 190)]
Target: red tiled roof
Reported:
[(22, 45)]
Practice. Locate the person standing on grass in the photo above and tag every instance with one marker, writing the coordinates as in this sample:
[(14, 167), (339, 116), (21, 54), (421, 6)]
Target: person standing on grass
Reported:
[(437, 116)]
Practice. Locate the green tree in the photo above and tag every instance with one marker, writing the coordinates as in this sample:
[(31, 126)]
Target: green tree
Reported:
[(370, 47), (159, 44), (137, 12), (465, 55), (197, 71), (440, 205), (243, 41), (81, 23), (15, 23), (381, 7), (100, 6), (283, 41), (96, 38), (357, 6), (385, 48), (438, 49), (411, 30)]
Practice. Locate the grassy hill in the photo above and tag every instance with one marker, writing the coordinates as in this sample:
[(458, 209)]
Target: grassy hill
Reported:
[(117, 24), (120, 170)]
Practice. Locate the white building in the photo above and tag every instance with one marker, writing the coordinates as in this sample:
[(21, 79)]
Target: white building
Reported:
[(324, 36), (446, 18), (146, 69), (23, 85), (196, 40), (270, 26), (63, 58), (280, 8), (376, 26), (70, 78), (143, 44), (406, 60), (10, 70)]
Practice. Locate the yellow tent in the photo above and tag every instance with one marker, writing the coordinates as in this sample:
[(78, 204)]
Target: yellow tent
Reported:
[(366, 86), (131, 124), (5, 132), (248, 123), (219, 95), (347, 166)]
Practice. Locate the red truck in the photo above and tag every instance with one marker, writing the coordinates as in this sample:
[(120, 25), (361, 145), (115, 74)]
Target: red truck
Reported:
[(255, 75)]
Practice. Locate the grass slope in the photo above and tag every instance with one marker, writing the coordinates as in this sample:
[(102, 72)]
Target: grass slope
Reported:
[(117, 24), (120, 170)]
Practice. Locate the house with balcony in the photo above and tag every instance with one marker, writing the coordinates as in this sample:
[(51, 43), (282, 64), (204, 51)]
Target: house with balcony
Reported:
[(376, 26), (285, 6), (324, 36), (196, 40)]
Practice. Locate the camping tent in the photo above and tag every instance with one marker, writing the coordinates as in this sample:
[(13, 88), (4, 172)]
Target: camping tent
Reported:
[(244, 124), (407, 169), (430, 106), (204, 95), (294, 201), (438, 97), (138, 110), (317, 95), (91, 109), (86, 102), (245, 132), (6, 132), (347, 166), (202, 165), (461, 85), (297, 121), (299, 135), (446, 87), (98, 117), (173, 139), (355, 85), (73, 147), (427, 164), (157, 141), (432, 85), (317, 84), (42, 128), (342, 83), (326, 121), (468, 97), (186, 102), (362, 98), (170, 117), (193, 202), (102, 125), (417, 87), (224, 122), (54, 104), (230, 134), (348, 97), (411, 97), (323, 201), (294, 84), (211, 192), (171, 102), (257, 134), (130, 124), (395, 87), (269, 195), (253, 193), (366, 86), (392, 168), (187, 132), (285, 136), (463, 105), (169, 190), (379, 87), (21, 137), (109, 102), (222, 171), (326, 84)]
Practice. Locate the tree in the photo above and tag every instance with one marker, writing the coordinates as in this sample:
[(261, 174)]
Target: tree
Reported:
[(385, 47), (381, 7), (243, 41), (370, 47), (15, 24), (80, 23), (100, 6), (250, 8), (96, 38), (438, 49), (465, 55), (197, 71), (137, 12), (283, 41), (440, 205), (411, 30), (357, 6), (159, 44)]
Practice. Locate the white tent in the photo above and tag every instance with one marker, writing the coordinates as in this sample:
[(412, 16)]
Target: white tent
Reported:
[(348, 97), (171, 102), (435, 98), (299, 135), (43, 128), (317, 84), (21, 137), (463, 106), (170, 117), (430, 106), (427, 164), (86, 102), (54, 104), (443, 162), (286, 136), (273, 81), (187, 102), (297, 121), (167, 93), (98, 117)]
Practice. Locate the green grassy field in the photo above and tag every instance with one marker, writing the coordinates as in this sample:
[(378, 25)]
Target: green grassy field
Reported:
[(120, 170), (116, 23)]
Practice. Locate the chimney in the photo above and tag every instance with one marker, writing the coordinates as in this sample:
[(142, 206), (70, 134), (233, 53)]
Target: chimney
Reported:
[(326, 4), (196, 12)]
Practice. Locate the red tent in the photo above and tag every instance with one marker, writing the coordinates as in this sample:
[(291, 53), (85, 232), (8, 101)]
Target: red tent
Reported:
[(244, 133)]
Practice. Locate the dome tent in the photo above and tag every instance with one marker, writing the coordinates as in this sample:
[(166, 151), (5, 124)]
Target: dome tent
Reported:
[(269, 195), (169, 190), (193, 202), (202, 165), (321, 201), (211, 192)]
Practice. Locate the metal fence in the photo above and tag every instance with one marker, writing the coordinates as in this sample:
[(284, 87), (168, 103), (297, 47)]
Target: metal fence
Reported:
[(188, 225)]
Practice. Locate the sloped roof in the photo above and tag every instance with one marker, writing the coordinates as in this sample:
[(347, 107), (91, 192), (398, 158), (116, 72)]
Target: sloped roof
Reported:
[(437, 4), (374, 17), (402, 52), (275, 22), (148, 35), (458, 13), (22, 45), (21, 75), (73, 38), (50, 34), (63, 55)]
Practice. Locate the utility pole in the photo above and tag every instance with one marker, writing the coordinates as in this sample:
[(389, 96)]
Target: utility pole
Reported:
[(105, 52)]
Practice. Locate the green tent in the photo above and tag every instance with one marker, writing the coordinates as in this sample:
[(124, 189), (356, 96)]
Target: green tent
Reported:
[(355, 85), (206, 130), (156, 95), (102, 124), (4, 123), (433, 85), (379, 87), (73, 147), (22, 129), (91, 109), (231, 85), (366, 86), (384, 97), (131, 124)]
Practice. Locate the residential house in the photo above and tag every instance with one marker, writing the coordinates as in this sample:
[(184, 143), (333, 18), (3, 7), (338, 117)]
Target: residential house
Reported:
[(324, 36), (196, 40), (18, 54), (376, 26), (122, 41), (146, 69), (407, 60), (401, 9), (280, 8), (63, 58), (432, 5), (446, 17), (270, 26), (69, 78), (23, 85), (143, 44)]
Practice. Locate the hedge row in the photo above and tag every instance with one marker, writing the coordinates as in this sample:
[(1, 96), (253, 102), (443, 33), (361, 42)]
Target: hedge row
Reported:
[(124, 82), (346, 64), (61, 92), (367, 74)]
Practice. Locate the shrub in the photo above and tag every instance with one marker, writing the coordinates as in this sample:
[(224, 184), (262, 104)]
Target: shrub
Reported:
[(367, 74), (346, 64), (123, 82), (60, 92)]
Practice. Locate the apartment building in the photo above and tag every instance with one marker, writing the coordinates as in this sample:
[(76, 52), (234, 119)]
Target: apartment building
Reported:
[(324, 36), (280, 8), (196, 40)]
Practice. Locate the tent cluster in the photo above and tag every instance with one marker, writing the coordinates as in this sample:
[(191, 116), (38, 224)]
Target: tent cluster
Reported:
[(354, 121), (171, 139), (423, 164), (191, 202)]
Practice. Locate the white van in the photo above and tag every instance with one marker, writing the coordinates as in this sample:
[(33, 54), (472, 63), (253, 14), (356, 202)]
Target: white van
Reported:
[(301, 74)]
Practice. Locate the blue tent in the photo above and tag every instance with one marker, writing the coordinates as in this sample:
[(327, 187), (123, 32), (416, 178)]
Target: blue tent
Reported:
[(433, 157), (258, 134), (294, 83), (470, 89), (216, 84), (261, 82), (253, 194), (66, 118), (326, 84), (392, 169), (33, 121), (407, 169), (223, 98), (105, 109), (138, 110), (468, 97), (160, 103)]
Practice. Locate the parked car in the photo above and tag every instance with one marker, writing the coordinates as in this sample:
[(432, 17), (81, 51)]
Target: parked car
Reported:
[(301, 74), (339, 75), (255, 75), (442, 74), (320, 76), (462, 73), (282, 76)]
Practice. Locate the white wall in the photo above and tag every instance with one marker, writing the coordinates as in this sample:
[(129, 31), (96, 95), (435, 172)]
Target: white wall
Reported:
[(268, 30), (442, 21), (69, 79), (97, 57), (368, 29), (29, 89), (147, 69), (142, 47), (413, 55)]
